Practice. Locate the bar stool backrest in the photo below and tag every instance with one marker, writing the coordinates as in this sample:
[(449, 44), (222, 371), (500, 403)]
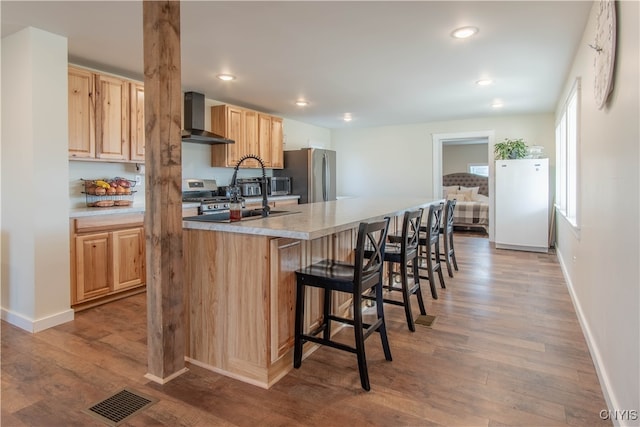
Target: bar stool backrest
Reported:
[(448, 214), (411, 231), (433, 222), (371, 236)]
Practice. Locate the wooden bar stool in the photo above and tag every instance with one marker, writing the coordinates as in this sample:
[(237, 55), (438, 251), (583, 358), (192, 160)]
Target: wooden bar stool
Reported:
[(402, 251), (355, 279), (429, 251), (447, 236)]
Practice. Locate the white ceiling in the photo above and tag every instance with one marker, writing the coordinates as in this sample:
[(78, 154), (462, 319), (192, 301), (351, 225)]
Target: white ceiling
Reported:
[(384, 62)]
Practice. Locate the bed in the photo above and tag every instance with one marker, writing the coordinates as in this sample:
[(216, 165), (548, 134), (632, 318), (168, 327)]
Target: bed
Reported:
[(472, 199)]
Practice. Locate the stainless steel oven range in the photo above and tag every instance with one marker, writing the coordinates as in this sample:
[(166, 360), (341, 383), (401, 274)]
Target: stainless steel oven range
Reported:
[(205, 192)]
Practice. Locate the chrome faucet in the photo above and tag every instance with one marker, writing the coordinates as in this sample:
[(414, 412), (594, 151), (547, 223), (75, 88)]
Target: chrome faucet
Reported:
[(265, 202)]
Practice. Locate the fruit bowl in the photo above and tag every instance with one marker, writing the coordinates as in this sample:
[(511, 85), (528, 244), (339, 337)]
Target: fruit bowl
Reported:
[(105, 193)]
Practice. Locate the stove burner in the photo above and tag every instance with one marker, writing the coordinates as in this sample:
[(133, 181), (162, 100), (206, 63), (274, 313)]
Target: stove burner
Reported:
[(208, 202), (206, 192), (206, 199)]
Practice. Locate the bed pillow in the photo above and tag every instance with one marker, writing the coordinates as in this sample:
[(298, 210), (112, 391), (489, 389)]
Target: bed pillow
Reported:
[(450, 189), (460, 197), (474, 191)]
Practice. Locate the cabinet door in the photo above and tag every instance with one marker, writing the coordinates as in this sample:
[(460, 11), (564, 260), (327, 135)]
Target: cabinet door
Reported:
[(112, 118), (93, 260), (250, 138), (227, 121), (128, 258), (137, 122), (264, 135), (277, 147), (81, 104), (235, 131), (286, 257), (270, 137)]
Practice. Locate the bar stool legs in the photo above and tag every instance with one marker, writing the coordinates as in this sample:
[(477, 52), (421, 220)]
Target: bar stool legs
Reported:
[(447, 237), (430, 249), (332, 275), (407, 292), (403, 253)]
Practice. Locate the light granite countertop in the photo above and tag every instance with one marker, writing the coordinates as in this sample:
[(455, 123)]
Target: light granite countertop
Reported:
[(314, 220)]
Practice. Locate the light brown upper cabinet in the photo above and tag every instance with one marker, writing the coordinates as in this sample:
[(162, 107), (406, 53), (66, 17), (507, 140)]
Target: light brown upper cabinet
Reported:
[(137, 122), (227, 121), (270, 141), (252, 133), (112, 118), (82, 114), (106, 117)]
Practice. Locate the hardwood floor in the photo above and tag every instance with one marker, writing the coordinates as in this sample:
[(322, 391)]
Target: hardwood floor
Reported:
[(505, 349)]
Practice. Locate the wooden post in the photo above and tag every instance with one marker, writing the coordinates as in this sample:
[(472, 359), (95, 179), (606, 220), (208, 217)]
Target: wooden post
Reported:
[(163, 198)]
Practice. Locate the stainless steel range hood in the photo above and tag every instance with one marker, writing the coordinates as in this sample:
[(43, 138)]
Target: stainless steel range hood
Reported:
[(194, 122)]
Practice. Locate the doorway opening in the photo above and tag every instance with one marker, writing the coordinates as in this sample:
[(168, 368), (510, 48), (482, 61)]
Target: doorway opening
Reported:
[(465, 152)]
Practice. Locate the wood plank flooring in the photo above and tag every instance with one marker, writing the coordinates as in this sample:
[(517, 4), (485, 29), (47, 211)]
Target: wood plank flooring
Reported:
[(506, 349)]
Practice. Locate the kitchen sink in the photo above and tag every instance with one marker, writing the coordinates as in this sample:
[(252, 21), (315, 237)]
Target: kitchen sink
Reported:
[(247, 214)]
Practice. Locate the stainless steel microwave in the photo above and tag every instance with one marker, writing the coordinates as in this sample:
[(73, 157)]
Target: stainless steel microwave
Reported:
[(279, 185)]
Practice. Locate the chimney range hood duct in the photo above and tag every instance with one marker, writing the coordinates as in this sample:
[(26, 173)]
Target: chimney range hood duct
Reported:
[(194, 122)]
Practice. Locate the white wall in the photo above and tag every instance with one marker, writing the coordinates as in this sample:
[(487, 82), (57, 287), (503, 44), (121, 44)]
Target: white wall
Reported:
[(301, 135), (397, 160), (600, 261), (35, 207), (457, 157)]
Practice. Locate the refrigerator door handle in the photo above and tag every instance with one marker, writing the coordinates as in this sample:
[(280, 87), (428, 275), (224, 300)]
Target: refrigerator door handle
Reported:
[(325, 176)]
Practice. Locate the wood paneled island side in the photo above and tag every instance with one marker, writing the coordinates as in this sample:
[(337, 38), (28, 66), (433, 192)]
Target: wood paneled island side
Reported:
[(240, 282)]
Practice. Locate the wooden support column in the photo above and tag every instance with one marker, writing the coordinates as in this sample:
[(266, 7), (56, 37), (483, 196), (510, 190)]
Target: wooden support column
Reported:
[(163, 213)]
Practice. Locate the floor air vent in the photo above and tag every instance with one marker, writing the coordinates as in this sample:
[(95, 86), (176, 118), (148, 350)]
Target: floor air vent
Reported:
[(119, 407), (426, 320)]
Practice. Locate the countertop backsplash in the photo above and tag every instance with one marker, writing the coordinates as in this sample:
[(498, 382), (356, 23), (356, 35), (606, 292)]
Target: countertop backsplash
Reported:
[(79, 170), (196, 163)]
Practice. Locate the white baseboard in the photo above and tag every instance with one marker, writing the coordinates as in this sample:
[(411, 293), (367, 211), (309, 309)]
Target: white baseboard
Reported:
[(37, 325), (601, 371)]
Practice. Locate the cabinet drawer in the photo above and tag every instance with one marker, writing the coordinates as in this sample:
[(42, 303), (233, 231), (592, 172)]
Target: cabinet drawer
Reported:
[(107, 222)]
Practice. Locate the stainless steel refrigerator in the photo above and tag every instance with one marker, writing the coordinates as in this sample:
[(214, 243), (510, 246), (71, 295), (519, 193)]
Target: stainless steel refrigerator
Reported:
[(312, 172)]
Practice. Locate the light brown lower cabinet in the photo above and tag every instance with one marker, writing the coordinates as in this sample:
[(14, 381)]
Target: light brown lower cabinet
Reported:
[(107, 258)]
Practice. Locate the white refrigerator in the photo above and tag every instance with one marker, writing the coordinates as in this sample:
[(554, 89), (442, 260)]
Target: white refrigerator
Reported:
[(522, 204)]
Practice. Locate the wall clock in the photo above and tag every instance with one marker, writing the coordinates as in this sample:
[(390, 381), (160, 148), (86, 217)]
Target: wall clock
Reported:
[(605, 47)]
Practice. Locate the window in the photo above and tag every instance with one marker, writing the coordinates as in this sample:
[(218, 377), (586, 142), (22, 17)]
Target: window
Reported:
[(567, 137), (479, 169)]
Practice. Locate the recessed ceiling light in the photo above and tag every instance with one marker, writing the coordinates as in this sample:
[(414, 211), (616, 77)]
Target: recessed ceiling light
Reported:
[(347, 117), (484, 82), (302, 103), (497, 104), (464, 32), (226, 77)]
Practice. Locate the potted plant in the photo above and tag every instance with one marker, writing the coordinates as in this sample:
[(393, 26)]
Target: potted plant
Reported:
[(510, 149)]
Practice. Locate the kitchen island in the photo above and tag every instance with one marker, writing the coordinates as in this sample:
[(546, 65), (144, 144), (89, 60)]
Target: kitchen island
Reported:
[(240, 281)]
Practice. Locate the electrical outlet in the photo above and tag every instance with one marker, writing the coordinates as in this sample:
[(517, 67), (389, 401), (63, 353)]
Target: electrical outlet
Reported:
[(138, 179)]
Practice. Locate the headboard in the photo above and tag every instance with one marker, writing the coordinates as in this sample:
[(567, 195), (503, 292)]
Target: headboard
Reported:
[(467, 180)]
